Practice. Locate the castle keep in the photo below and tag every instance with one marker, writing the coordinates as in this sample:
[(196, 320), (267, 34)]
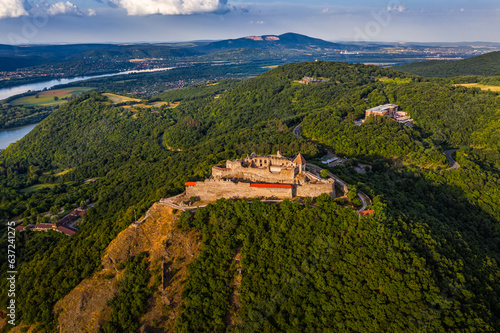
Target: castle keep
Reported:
[(272, 176)]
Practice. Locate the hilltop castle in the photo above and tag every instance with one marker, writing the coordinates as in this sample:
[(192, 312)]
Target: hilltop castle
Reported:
[(271, 176)]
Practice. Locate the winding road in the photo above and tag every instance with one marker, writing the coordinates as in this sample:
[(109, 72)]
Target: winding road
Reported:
[(363, 197), (453, 163)]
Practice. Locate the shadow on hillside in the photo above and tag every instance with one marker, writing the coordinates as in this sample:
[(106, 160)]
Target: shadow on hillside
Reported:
[(456, 236)]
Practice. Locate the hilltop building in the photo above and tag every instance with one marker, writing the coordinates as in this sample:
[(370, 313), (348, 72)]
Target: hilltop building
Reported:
[(387, 110), (270, 176), (382, 110), (311, 80)]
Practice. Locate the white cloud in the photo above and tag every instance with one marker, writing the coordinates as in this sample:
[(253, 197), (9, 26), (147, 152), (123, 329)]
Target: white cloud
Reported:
[(396, 8), (91, 12), (172, 7), (64, 8), (11, 8)]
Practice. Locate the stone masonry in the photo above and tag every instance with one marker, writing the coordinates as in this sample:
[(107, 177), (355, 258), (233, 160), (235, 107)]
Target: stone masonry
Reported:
[(272, 176)]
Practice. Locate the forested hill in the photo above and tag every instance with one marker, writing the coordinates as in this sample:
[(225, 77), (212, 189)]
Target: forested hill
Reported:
[(485, 65), (288, 40), (427, 260), (14, 57)]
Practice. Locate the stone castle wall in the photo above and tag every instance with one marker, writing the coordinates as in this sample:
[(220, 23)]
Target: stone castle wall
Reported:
[(211, 190), (273, 176), (315, 190), (256, 174)]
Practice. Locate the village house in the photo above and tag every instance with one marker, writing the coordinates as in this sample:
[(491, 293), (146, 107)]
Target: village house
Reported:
[(66, 230), (63, 225), (43, 227)]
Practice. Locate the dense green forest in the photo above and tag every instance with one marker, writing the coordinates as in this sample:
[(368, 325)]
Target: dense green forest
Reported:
[(132, 299), (486, 65), (144, 85), (427, 260), (14, 116), (323, 268), (149, 85)]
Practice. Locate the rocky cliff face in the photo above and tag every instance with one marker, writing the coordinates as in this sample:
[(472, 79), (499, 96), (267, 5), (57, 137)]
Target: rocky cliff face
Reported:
[(85, 308)]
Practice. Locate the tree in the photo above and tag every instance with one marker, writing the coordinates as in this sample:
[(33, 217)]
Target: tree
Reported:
[(324, 173), (54, 210), (353, 193)]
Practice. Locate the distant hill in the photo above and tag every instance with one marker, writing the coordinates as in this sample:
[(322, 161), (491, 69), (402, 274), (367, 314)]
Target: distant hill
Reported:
[(487, 64), (54, 52), (15, 57), (288, 40), (258, 47), (10, 63), (137, 51)]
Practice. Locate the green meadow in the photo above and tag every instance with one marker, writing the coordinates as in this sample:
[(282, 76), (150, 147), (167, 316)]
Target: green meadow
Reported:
[(50, 97)]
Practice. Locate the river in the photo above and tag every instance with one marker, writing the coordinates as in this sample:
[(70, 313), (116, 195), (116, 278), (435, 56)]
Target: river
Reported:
[(13, 134), (9, 92)]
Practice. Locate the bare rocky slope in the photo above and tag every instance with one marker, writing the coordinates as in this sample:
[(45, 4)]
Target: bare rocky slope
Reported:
[(85, 308)]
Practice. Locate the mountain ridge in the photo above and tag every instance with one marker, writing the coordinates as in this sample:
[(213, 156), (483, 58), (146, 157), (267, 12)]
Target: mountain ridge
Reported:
[(288, 39), (486, 64)]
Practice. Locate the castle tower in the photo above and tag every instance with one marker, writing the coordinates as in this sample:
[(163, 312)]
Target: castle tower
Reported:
[(300, 161)]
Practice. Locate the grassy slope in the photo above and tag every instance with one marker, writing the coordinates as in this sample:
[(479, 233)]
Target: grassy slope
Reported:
[(47, 98)]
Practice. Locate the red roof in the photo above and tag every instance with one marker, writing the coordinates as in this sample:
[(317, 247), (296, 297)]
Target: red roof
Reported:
[(66, 230), (67, 219), (190, 184), (20, 227), (367, 212), (271, 185), (81, 212)]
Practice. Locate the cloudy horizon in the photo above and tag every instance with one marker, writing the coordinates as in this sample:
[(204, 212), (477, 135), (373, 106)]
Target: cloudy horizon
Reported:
[(122, 21)]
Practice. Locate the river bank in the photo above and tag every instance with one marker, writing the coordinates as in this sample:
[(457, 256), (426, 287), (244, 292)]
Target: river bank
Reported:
[(17, 90), (11, 135)]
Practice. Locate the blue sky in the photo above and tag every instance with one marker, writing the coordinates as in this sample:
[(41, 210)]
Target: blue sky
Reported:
[(83, 21)]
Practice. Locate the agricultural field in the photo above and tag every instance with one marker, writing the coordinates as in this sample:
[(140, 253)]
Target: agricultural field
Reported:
[(120, 99), (50, 97), (482, 86)]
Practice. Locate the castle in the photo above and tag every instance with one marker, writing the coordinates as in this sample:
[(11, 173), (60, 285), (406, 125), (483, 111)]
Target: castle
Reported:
[(271, 176)]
